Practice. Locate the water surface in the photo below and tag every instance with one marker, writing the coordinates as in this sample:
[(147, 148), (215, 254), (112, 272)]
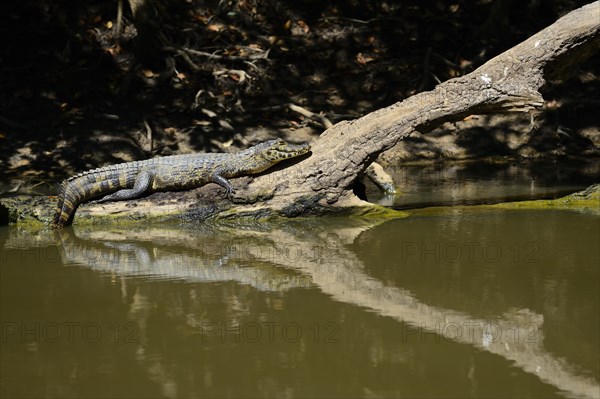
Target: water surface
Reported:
[(480, 182), (471, 304)]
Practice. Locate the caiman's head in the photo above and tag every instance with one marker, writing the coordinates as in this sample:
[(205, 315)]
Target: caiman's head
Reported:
[(264, 155), (278, 150)]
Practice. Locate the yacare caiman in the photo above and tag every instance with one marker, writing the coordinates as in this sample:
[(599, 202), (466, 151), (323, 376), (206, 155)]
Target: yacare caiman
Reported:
[(133, 179)]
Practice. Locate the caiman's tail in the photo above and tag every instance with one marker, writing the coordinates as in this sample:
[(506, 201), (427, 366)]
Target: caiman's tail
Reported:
[(66, 206), (85, 186)]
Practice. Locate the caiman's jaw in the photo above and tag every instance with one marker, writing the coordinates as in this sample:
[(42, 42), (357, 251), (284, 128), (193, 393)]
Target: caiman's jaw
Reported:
[(280, 150)]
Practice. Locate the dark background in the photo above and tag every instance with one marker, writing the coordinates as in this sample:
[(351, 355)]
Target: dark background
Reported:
[(74, 95)]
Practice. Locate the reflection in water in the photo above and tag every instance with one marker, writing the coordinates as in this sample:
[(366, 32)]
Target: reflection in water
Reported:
[(202, 258), (229, 268), (473, 183)]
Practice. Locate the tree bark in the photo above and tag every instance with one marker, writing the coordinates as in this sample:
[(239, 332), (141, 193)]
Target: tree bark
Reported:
[(323, 182)]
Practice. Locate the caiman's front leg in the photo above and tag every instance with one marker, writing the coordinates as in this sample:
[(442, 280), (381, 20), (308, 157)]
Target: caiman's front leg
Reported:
[(143, 182), (223, 182)]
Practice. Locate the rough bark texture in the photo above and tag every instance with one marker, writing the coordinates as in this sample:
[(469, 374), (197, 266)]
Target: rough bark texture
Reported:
[(323, 182)]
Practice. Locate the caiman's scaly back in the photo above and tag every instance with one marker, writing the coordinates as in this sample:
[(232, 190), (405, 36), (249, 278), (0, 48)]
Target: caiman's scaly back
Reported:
[(134, 179)]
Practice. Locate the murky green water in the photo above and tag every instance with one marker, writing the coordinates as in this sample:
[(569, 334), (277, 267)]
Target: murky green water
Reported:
[(498, 304), (477, 182)]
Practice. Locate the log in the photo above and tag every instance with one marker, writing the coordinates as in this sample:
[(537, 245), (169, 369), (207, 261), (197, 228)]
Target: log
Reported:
[(323, 183)]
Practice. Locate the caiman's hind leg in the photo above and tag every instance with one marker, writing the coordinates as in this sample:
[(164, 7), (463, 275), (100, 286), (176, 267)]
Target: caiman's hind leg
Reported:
[(143, 181)]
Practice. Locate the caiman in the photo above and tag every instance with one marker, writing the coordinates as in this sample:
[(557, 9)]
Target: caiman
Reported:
[(176, 172)]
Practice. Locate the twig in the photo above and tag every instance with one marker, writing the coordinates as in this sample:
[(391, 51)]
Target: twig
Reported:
[(242, 75), (360, 21), (214, 56), (319, 118), (12, 190), (119, 23), (185, 57), (148, 134), (309, 114)]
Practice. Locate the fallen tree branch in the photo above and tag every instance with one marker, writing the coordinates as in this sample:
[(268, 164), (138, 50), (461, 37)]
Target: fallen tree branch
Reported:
[(323, 183), (508, 82)]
